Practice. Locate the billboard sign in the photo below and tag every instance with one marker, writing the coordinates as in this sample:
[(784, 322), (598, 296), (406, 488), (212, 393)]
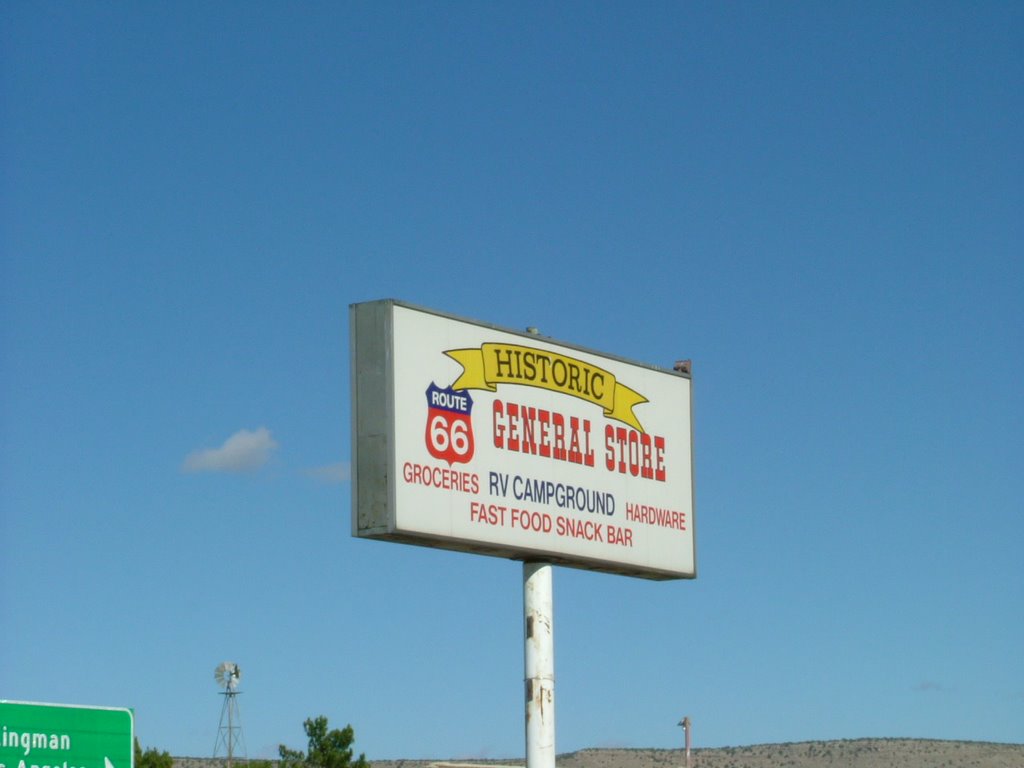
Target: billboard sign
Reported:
[(481, 439), (65, 736)]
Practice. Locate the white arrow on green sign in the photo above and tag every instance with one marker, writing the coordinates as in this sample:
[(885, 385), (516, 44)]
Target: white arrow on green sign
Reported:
[(65, 736)]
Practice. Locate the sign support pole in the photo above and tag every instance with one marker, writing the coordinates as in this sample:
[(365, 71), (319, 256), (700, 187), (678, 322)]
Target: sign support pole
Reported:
[(539, 665)]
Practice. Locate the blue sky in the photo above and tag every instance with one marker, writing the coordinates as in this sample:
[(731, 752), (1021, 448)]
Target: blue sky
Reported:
[(820, 204)]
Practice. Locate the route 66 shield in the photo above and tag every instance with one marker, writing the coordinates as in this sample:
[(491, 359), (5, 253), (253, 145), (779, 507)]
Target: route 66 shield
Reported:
[(449, 432)]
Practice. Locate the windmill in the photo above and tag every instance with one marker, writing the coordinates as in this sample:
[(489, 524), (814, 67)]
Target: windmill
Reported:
[(228, 675)]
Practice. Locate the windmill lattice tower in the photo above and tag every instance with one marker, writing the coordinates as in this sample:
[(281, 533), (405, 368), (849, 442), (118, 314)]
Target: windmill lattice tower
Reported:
[(228, 675)]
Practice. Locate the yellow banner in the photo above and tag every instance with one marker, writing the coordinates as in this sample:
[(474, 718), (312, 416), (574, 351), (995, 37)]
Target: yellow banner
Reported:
[(492, 364)]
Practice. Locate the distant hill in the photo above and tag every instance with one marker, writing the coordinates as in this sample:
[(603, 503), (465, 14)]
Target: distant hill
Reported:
[(846, 753)]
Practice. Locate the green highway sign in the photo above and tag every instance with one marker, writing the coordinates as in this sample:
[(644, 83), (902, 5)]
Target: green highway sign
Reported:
[(65, 736)]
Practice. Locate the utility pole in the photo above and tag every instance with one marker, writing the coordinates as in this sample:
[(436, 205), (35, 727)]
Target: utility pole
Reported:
[(685, 723)]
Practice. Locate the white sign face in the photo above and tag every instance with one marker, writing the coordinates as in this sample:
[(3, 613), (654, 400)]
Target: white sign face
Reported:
[(474, 438)]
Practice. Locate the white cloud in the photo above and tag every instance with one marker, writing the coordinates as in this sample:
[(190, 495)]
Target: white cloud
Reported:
[(332, 473), (244, 451)]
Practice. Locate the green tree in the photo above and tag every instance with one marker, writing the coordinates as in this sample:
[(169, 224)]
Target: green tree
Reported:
[(151, 758), (327, 748)]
